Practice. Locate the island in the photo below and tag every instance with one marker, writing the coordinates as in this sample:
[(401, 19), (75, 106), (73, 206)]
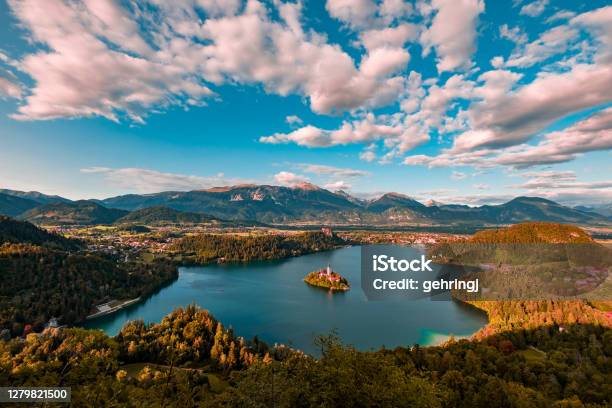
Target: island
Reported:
[(326, 278)]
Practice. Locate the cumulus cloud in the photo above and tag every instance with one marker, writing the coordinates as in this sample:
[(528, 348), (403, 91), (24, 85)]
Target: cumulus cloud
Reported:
[(392, 37), (534, 9), (356, 13), (552, 42), (384, 61), (599, 23), (515, 117), (153, 181), (560, 15), (504, 116), (362, 131), (453, 32), (124, 60), (81, 74), (114, 60), (363, 14), (9, 88), (367, 155), (513, 34), (337, 185), (293, 120), (288, 179), (591, 134)]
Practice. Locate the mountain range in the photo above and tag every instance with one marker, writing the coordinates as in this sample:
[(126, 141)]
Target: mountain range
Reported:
[(301, 204)]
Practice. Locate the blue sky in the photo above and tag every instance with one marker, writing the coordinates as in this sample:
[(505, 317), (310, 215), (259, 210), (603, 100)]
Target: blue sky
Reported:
[(465, 101)]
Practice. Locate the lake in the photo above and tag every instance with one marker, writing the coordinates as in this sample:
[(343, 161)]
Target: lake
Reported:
[(270, 300)]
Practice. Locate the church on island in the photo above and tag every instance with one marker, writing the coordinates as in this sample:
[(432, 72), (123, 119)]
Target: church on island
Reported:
[(328, 279)]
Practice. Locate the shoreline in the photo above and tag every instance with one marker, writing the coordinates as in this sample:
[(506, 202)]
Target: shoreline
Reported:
[(113, 309)]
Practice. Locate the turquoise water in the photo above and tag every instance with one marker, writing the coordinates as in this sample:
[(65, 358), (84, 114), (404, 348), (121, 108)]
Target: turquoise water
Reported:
[(270, 300)]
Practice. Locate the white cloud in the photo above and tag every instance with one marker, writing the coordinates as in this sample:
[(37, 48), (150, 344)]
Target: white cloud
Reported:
[(534, 9), (515, 117), (560, 15), (513, 34), (482, 186), (562, 186), (384, 61), (81, 75), (338, 172), (288, 179), (552, 42), (10, 88), (453, 32), (393, 37), (363, 131), (599, 23), (216, 8), (293, 120), (153, 181), (356, 13), (167, 56), (548, 175), (457, 175), (591, 134), (337, 185), (367, 155), (364, 14), (394, 9)]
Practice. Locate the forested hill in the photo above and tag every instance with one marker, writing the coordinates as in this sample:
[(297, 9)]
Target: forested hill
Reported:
[(15, 232), (191, 360), (38, 284), (208, 247), (161, 215), (13, 206), (81, 212), (45, 275), (521, 315), (534, 233)]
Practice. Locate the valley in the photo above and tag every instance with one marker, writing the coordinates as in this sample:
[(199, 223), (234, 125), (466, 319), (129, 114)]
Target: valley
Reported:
[(134, 273)]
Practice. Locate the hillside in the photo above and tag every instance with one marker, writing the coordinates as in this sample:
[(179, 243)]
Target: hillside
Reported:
[(161, 215), (12, 206), (21, 232), (513, 315), (532, 233), (226, 248), (191, 359), (35, 196), (39, 283), (604, 209), (74, 213)]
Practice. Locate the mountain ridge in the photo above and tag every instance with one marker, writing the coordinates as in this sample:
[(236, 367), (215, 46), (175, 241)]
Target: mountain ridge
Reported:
[(303, 204)]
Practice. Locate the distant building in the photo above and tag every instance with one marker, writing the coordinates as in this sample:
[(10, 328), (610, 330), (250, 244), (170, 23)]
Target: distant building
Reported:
[(52, 324), (327, 231)]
